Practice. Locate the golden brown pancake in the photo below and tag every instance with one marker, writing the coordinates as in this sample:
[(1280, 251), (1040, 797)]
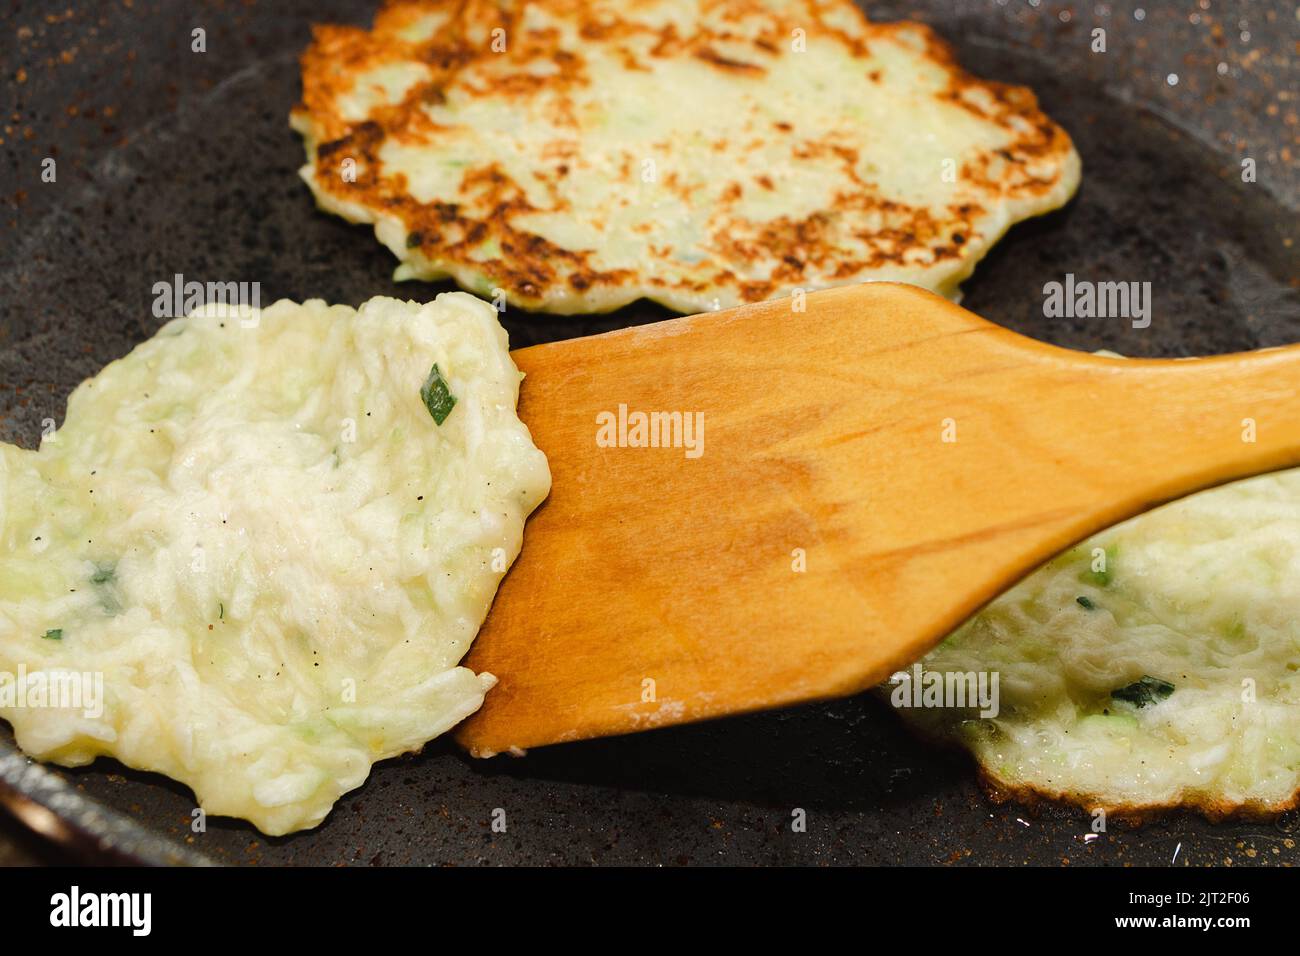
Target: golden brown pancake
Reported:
[(576, 156)]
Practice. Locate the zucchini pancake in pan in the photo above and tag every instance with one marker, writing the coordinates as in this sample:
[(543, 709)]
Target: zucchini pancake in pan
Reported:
[(577, 156)]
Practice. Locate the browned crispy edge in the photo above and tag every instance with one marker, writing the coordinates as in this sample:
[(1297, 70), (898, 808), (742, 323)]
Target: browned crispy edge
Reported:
[(999, 791)]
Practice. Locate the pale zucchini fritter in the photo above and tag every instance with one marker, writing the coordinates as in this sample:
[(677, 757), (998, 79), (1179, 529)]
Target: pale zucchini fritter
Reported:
[(268, 548), (1155, 665)]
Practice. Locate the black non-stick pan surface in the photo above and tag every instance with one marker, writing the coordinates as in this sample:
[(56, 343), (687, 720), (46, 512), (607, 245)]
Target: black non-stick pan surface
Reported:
[(170, 161)]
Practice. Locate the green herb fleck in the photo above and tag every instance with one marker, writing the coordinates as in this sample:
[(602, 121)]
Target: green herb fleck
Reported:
[(414, 240), (436, 396), (54, 634), (1106, 575), (1148, 690), (1085, 602), (103, 578), (221, 611)]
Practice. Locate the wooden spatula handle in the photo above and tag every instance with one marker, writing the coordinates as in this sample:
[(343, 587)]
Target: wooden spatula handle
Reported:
[(874, 469)]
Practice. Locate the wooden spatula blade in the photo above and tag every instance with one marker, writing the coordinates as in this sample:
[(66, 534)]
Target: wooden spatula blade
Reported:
[(874, 467)]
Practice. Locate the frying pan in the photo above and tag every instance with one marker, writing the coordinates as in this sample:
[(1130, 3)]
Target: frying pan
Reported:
[(170, 161)]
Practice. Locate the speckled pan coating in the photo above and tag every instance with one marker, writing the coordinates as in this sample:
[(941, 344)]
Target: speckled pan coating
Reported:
[(171, 162)]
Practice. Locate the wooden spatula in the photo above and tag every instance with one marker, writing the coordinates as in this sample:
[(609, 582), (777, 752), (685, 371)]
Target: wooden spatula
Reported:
[(874, 468)]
